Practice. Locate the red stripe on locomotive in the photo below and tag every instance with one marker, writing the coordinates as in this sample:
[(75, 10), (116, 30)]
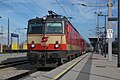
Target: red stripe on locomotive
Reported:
[(47, 47)]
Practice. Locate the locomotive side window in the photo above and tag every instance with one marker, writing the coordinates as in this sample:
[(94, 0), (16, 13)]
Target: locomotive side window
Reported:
[(53, 27), (35, 28)]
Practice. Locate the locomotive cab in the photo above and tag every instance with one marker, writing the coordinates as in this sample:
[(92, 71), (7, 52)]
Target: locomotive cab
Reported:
[(46, 41)]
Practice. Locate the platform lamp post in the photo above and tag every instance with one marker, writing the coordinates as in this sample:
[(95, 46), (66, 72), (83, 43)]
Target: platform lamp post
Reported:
[(1, 47), (98, 29), (118, 33), (8, 35), (18, 29), (101, 5), (105, 34), (105, 17)]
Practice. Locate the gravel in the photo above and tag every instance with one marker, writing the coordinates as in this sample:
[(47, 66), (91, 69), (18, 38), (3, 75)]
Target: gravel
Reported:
[(12, 71)]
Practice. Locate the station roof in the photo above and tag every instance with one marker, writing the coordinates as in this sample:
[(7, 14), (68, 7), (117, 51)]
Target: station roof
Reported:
[(93, 41)]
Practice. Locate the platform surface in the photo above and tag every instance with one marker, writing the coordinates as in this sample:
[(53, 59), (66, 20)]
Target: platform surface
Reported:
[(10, 57), (91, 66)]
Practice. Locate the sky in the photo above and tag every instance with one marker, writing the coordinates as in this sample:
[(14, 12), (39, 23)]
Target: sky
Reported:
[(83, 18)]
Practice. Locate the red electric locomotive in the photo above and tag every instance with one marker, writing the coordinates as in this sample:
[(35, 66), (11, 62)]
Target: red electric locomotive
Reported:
[(52, 41)]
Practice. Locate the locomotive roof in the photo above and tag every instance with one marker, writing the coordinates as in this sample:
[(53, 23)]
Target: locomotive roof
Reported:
[(36, 19), (56, 18)]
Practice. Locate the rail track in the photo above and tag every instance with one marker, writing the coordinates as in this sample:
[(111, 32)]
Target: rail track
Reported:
[(14, 63), (11, 68), (18, 69), (23, 75)]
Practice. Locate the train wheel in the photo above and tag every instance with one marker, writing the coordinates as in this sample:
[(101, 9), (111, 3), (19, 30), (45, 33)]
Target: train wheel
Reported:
[(69, 58), (59, 62)]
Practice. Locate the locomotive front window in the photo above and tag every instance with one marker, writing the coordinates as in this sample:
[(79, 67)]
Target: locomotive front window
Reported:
[(35, 28), (54, 27)]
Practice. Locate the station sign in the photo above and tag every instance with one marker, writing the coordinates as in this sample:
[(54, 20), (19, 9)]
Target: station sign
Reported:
[(109, 33), (14, 35)]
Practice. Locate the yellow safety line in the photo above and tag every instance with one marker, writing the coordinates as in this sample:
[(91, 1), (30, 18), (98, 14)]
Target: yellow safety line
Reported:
[(56, 77)]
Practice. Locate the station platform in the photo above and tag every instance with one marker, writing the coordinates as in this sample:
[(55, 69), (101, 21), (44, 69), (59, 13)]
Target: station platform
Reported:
[(10, 57), (90, 66)]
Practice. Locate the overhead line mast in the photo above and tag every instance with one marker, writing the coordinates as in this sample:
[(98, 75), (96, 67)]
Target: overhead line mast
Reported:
[(109, 27)]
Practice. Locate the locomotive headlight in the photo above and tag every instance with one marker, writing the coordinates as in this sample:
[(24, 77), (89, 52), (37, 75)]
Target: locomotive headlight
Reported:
[(32, 44), (56, 44)]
